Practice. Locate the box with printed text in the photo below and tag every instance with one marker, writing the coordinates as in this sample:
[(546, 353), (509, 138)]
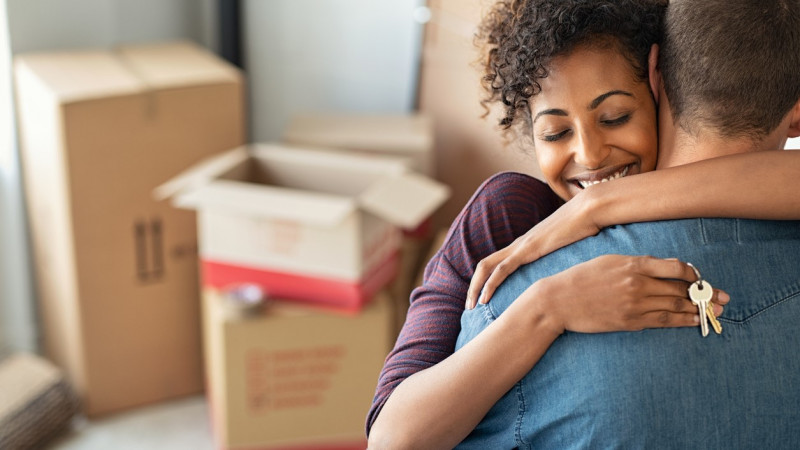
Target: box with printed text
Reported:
[(292, 376)]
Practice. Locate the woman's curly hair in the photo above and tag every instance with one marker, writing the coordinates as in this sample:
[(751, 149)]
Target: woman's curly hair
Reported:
[(521, 37)]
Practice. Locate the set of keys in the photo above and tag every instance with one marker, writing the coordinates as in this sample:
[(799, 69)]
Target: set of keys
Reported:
[(701, 293)]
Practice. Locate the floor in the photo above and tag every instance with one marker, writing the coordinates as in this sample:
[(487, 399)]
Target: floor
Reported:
[(177, 425)]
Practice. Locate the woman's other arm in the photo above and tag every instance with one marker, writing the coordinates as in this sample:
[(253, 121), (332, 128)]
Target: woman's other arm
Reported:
[(762, 185)]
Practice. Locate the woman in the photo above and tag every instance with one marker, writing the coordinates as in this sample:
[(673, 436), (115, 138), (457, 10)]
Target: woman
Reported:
[(431, 398)]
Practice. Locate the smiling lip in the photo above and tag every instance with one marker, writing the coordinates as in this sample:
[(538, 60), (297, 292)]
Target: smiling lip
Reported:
[(600, 177)]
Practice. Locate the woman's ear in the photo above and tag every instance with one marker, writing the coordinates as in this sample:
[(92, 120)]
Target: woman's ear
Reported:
[(654, 74), (794, 121)]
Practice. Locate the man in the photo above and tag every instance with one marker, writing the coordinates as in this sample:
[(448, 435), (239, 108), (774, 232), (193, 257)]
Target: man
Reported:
[(672, 388)]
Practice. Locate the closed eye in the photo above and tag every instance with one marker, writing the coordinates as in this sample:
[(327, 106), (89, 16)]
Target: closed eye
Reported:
[(554, 137), (617, 121)]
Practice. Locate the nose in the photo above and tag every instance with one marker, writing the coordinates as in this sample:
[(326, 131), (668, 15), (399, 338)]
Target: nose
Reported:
[(589, 149)]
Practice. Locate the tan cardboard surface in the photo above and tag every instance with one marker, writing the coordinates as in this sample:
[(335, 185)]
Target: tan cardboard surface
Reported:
[(294, 375), (117, 271), (176, 64), (410, 136)]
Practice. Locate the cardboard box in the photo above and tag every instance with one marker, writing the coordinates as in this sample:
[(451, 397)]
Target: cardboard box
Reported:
[(116, 271), (307, 225), (405, 136), (293, 376)]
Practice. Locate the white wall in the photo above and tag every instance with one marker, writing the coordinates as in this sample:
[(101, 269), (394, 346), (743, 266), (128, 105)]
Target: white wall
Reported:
[(35, 25), (59, 24), (17, 328), (345, 55)]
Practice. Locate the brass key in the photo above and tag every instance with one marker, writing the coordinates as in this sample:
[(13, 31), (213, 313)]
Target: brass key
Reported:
[(713, 319)]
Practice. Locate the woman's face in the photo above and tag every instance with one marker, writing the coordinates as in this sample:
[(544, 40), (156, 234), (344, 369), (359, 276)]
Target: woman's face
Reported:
[(592, 121)]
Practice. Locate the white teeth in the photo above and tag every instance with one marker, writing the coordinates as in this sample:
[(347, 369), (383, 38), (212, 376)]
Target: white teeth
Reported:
[(620, 174)]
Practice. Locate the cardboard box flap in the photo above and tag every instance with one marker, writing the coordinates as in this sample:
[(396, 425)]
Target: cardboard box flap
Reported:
[(315, 157), (176, 64), (201, 173), (386, 133), (405, 200), (269, 202), (83, 75)]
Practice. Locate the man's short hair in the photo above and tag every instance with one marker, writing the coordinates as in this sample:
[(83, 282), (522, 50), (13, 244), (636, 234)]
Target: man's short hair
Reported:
[(732, 66)]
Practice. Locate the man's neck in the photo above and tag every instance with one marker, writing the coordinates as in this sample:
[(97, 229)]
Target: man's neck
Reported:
[(677, 146), (684, 148)]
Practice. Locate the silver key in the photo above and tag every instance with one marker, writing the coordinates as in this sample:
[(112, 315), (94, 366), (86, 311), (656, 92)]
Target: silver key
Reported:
[(700, 293)]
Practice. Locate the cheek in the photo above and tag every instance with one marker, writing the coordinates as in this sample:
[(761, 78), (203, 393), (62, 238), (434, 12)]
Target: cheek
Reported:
[(643, 142), (549, 163), (552, 163)]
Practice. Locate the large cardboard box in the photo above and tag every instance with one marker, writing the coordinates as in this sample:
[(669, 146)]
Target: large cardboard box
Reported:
[(117, 271), (404, 136), (307, 225), (291, 376)]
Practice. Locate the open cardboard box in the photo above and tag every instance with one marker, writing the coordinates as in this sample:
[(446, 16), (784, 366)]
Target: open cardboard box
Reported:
[(307, 225)]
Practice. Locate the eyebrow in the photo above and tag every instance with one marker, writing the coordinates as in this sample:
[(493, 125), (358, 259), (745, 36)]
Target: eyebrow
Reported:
[(595, 103), (551, 112)]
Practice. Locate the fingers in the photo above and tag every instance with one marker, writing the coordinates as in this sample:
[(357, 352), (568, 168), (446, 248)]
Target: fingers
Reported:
[(667, 319), (664, 268), (500, 273), (721, 297), (669, 311), (482, 271)]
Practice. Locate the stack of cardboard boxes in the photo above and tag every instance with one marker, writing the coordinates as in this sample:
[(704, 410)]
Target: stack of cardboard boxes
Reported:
[(319, 234), (326, 228)]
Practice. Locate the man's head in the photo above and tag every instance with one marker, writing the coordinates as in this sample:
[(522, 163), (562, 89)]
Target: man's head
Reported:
[(731, 66)]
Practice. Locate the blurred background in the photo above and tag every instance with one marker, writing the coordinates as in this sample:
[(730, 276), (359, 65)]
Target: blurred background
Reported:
[(393, 82)]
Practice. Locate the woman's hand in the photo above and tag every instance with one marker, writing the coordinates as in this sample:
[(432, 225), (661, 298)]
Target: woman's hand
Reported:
[(570, 223), (620, 293)]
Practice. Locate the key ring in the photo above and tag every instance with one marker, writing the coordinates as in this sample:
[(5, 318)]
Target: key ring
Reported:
[(697, 273)]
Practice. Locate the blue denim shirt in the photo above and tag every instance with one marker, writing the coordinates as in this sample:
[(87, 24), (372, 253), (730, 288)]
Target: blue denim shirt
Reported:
[(665, 388)]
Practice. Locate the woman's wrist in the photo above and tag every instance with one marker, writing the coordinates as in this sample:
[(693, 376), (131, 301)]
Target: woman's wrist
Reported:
[(596, 204), (541, 306)]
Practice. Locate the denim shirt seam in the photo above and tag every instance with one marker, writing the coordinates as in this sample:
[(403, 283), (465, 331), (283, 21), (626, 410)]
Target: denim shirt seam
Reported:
[(787, 297), (489, 313), (520, 416)]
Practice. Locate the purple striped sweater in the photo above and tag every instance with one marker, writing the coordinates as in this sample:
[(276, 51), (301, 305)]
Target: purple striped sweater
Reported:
[(503, 208)]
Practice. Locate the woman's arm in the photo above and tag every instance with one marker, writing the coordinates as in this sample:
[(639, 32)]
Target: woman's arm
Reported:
[(762, 185), (759, 185), (439, 406)]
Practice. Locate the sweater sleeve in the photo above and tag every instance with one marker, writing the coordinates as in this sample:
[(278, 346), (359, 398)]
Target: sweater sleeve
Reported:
[(503, 208)]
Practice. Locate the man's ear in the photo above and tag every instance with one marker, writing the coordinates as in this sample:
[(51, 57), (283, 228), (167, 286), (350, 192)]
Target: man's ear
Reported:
[(794, 121), (654, 74)]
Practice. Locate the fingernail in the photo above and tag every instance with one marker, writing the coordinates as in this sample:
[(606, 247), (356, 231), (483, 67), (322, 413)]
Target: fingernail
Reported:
[(718, 310), (696, 319), (724, 297), (482, 299), (671, 259), (468, 305)]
